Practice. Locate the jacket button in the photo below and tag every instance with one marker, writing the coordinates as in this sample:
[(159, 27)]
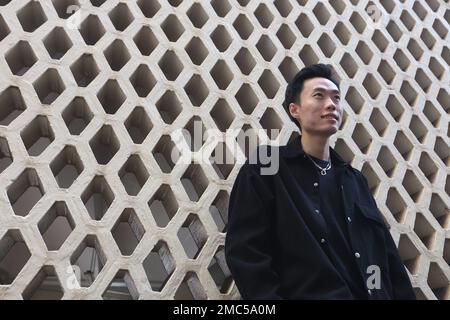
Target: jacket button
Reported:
[(315, 184), (357, 255), (369, 292), (349, 219), (323, 240), (316, 211)]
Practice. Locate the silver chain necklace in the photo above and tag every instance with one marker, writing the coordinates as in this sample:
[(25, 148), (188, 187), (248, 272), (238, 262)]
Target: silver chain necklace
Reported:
[(323, 171)]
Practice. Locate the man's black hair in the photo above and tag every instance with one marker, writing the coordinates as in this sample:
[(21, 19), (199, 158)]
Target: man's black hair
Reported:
[(295, 87)]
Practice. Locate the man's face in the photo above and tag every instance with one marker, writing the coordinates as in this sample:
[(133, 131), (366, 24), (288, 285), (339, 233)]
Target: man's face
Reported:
[(319, 109)]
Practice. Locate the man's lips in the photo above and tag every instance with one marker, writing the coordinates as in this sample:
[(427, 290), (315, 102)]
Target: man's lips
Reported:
[(330, 117)]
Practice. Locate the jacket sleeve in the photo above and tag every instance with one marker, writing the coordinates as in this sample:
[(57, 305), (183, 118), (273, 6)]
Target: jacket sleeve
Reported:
[(401, 284), (248, 249)]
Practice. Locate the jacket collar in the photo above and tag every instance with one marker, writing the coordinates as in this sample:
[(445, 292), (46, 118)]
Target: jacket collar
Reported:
[(295, 149)]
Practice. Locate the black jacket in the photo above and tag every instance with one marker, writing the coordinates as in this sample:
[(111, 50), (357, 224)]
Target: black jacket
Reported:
[(273, 247)]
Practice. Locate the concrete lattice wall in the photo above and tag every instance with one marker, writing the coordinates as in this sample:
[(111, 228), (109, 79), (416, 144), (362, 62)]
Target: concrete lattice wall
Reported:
[(89, 102)]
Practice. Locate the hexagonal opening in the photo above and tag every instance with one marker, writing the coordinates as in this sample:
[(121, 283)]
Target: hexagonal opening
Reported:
[(196, 50), (387, 161), (194, 133), (6, 157), (121, 16), (142, 80), (163, 153), (138, 125), (440, 211), (222, 114), (271, 123), (111, 96), (117, 55), (65, 8), (133, 175), (192, 235), (372, 86), (283, 7), (395, 108), (396, 205), (442, 150), (49, 86), (403, 145), (264, 16), (149, 7), (362, 138), (409, 254), (128, 231), (88, 260), (425, 231), (222, 160), (190, 289), (219, 210), (56, 225), (37, 135), (221, 7), (57, 43), (172, 28), (194, 181), (415, 49), (418, 128), (25, 191), (394, 31), (77, 115), (11, 105), (145, 40), (197, 15), (288, 68), (67, 166), (378, 121), (408, 92), (354, 99), (438, 281), (221, 38), (163, 205), (221, 74), (380, 40), (266, 48), (169, 107), (196, 90), (44, 286), (422, 80), (269, 84), (104, 144), (20, 58), (122, 287), (13, 256), (159, 266), (401, 60), (243, 26), (245, 61), (170, 65), (4, 29), (31, 16), (85, 70), (97, 197), (412, 185), (219, 271), (432, 114), (327, 45), (92, 30)]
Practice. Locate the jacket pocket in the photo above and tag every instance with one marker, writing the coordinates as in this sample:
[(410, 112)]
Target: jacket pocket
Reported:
[(370, 212)]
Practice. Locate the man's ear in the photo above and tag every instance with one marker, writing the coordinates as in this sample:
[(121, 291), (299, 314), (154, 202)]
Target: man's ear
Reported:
[(294, 110)]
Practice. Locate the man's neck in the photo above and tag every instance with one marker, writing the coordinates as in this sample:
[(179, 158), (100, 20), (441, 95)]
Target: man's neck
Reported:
[(316, 146)]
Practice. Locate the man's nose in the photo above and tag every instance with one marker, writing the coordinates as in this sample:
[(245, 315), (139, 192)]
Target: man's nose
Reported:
[(331, 104)]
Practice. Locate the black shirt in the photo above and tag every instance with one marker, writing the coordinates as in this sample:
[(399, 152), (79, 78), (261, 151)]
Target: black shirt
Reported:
[(339, 250)]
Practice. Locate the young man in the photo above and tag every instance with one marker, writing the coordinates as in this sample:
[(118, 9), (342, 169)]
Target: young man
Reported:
[(312, 230)]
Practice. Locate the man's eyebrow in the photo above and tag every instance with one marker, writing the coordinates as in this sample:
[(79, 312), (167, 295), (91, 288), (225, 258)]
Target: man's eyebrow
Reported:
[(321, 89)]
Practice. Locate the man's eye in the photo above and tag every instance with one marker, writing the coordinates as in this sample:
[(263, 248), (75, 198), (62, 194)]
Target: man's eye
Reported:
[(337, 97), (318, 94)]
